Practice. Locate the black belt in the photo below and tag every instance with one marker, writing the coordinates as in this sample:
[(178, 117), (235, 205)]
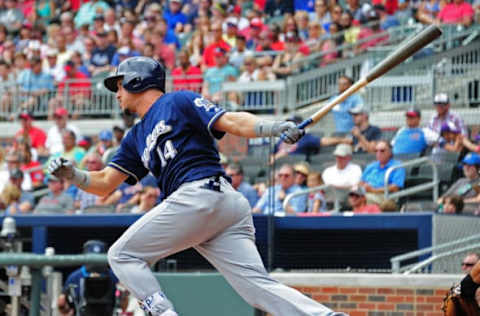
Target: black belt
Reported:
[(213, 184)]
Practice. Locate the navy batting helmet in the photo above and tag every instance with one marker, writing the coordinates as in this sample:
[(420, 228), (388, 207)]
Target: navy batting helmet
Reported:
[(138, 74)]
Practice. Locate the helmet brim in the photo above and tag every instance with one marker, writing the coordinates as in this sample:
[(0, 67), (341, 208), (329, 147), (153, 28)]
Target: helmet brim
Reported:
[(111, 82)]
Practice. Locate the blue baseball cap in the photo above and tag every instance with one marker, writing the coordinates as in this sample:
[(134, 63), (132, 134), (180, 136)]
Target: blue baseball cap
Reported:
[(471, 159), (105, 135), (94, 246)]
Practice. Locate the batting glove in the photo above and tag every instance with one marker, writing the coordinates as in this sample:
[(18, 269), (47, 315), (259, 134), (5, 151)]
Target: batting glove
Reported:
[(289, 132), (63, 168)]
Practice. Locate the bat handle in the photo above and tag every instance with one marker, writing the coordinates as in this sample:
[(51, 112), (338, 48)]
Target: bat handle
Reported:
[(305, 123), (301, 126)]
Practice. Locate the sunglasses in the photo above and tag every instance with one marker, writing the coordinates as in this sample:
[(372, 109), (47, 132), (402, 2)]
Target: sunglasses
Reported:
[(467, 264)]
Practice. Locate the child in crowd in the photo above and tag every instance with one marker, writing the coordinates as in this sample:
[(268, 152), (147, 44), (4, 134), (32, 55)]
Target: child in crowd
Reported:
[(316, 200), (453, 204)]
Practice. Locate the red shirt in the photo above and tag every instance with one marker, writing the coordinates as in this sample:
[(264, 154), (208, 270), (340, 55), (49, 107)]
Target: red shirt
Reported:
[(36, 176), (79, 84), (166, 54), (390, 5), (187, 80), (37, 136), (208, 57), (453, 13), (368, 209), (367, 32)]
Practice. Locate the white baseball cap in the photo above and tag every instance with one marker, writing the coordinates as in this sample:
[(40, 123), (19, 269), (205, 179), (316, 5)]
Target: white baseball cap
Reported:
[(343, 150), (441, 98)]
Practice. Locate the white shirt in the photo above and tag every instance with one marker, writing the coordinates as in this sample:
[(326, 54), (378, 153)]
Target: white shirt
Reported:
[(54, 141), (346, 177)]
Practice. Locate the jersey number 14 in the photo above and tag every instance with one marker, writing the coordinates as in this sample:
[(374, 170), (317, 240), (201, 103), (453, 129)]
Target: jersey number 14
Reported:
[(169, 152)]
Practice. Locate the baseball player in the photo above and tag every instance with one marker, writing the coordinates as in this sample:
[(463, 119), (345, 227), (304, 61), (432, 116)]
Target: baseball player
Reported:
[(175, 141)]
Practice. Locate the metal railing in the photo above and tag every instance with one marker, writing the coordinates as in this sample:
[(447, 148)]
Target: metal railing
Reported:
[(404, 87), (417, 188), (396, 261), (336, 204)]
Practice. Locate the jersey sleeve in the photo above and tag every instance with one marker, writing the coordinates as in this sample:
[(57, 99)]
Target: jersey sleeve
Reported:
[(126, 160), (201, 113)]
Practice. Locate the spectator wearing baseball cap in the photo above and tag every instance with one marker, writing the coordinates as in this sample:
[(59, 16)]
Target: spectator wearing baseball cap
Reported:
[(450, 140), (358, 201), (26, 201), (36, 135), (365, 135), (54, 142), (467, 187), (344, 173), (105, 147), (412, 138), (56, 201), (441, 102), (208, 58), (231, 27), (214, 77)]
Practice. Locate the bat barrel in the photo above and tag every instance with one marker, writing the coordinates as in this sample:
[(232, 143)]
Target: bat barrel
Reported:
[(406, 50)]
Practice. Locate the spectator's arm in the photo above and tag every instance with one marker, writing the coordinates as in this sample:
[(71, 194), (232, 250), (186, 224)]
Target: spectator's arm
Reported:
[(332, 141), (469, 145), (475, 199)]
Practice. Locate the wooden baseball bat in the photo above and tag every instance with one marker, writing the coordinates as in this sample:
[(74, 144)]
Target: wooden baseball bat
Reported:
[(396, 57)]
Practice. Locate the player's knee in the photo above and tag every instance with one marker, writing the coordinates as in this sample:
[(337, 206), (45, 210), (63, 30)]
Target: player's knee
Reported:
[(112, 255)]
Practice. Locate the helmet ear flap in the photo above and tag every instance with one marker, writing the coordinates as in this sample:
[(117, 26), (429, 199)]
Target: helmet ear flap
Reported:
[(132, 82)]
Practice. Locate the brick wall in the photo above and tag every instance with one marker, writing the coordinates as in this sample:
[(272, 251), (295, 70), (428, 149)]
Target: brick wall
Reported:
[(369, 301), (374, 294)]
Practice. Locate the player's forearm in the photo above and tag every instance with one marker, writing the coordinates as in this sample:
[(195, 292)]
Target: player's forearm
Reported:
[(238, 123), (103, 182)]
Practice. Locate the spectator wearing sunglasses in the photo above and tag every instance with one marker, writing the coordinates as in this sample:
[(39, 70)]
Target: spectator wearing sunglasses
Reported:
[(469, 261), (373, 177)]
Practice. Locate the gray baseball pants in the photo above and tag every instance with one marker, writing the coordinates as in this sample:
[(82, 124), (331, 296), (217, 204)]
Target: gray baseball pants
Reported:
[(219, 226)]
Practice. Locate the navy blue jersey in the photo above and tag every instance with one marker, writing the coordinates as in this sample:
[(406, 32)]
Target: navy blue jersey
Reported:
[(175, 141)]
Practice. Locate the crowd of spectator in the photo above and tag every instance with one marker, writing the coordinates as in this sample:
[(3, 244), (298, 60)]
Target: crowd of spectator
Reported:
[(50, 51)]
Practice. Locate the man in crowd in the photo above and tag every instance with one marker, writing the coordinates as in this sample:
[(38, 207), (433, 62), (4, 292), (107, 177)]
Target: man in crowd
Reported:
[(84, 199), (34, 84), (444, 115), (413, 139), (358, 201), (373, 177), (56, 201), (343, 119), (209, 55), (344, 174), (362, 137), (54, 141), (214, 77), (469, 261), (35, 135), (286, 180), (467, 187), (235, 172)]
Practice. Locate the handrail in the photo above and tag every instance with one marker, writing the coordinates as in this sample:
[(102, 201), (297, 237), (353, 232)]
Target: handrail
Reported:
[(395, 261), (416, 188), (336, 206), (428, 261)]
